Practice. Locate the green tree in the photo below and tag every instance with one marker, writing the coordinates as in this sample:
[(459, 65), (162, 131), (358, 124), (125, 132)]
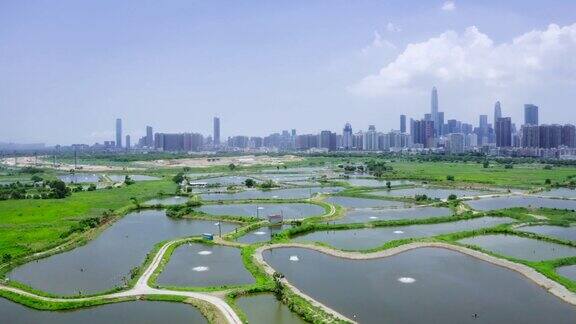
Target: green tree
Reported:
[(59, 189), (232, 166), (249, 183), (179, 177), (450, 177)]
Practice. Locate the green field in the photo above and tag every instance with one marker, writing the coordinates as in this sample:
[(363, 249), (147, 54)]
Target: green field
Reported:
[(31, 225), (521, 176)]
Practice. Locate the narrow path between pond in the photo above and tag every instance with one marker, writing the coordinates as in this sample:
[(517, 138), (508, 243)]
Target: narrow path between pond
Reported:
[(141, 288)]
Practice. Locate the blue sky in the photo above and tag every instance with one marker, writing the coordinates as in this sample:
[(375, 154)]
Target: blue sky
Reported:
[(69, 68)]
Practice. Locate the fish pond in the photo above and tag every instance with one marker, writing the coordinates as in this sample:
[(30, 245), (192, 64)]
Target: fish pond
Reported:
[(434, 193), (521, 201), (367, 238), (370, 215), (105, 262), (203, 265), (289, 211), (560, 232), (135, 312), (521, 247), (352, 202), (427, 284), (291, 193), (266, 309)]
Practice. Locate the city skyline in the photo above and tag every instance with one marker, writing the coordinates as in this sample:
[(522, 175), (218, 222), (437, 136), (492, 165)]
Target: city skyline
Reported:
[(280, 64)]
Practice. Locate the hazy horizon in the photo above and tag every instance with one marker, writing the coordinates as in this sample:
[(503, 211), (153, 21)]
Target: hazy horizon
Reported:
[(68, 69)]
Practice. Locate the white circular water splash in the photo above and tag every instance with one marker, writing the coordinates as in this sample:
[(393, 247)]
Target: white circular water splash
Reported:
[(373, 217), (398, 232), (406, 280), (200, 269), (294, 258), (259, 233), (205, 252)]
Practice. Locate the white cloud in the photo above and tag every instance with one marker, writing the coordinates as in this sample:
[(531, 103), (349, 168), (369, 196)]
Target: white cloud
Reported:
[(539, 57), (449, 6), (392, 28)]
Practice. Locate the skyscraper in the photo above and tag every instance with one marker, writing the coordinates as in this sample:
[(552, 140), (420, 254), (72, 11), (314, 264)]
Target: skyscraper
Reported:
[(149, 136), (434, 108), (127, 143), (347, 137), (216, 131), (118, 132), (402, 123), (497, 112), (530, 114), (503, 130), (440, 126)]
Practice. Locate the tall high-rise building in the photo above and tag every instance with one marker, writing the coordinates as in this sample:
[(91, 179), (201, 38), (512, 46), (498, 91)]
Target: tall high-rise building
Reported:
[(118, 132), (149, 136), (402, 123), (569, 136), (216, 137), (371, 139), (328, 140), (434, 108), (530, 136), (503, 130), (424, 132), (347, 137), (456, 143), (483, 122), (497, 112), (440, 126), (530, 114), (127, 143)]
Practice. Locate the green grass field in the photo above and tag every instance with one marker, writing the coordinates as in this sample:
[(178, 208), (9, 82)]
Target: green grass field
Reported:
[(521, 176), (32, 225)]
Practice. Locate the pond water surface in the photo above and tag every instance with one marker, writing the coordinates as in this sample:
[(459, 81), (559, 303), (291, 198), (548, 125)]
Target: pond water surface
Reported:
[(519, 201), (169, 201), (568, 272), (366, 238), (559, 192), (135, 312), (370, 215), (80, 178), (564, 233), (203, 265), (290, 211), (266, 309), (352, 202), (521, 247), (292, 193), (440, 193), (104, 262), (426, 285)]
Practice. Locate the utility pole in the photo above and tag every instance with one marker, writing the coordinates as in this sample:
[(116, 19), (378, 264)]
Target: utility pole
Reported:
[(75, 159)]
